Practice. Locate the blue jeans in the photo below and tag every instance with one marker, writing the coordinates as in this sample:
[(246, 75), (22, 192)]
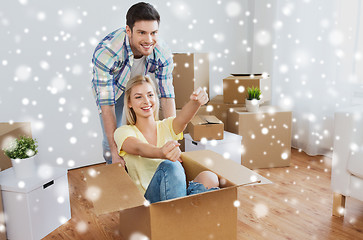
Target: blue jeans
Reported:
[(196, 187), (119, 106), (168, 182)]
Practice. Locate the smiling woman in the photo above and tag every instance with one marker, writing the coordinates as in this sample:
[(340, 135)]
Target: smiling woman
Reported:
[(149, 146)]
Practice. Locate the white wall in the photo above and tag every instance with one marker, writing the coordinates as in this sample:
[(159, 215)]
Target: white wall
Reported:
[(46, 50)]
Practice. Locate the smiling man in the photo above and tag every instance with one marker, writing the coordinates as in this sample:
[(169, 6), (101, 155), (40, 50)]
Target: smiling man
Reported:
[(123, 54)]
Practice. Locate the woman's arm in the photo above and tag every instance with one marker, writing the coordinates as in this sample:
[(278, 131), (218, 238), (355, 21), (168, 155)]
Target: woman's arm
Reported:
[(199, 97), (134, 146)]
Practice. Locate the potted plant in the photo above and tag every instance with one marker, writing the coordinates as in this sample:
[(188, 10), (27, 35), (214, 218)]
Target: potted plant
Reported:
[(253, 99), (22, 152)]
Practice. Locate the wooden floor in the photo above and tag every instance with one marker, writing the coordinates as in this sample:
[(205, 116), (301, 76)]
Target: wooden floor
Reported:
[(297, 206)]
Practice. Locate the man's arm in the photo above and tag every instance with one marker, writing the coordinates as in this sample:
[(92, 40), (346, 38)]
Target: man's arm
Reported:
[(168, 107), (109, 124)]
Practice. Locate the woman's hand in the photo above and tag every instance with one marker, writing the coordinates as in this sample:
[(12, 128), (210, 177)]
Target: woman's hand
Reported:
[(199, 96), (171, 151)]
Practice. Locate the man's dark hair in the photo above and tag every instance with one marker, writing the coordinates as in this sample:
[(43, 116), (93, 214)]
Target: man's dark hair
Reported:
[(141, 11)]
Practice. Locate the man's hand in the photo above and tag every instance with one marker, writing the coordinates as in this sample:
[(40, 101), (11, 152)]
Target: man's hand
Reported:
[(118, 159), (171, 151), (199, 96)]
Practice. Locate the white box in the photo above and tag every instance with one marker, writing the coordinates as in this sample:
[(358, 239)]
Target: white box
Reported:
[(229, 147), (35, 206)]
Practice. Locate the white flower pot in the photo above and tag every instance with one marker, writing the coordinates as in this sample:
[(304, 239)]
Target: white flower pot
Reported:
[(252, 105), (24, 168)]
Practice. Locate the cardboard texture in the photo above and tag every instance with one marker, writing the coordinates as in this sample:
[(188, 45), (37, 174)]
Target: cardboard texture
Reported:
[(190, 72), (10, 131), (266, 136), (206, 126), (235, 88), (200, 216), (218, 108), (202, 111)]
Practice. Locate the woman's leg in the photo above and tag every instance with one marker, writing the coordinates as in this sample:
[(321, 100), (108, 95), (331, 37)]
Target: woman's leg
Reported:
[(203, 182), (208, 179), (168, 182)]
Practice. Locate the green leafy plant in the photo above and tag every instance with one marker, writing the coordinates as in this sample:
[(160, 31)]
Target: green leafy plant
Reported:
[(23, 147), (253, 93)]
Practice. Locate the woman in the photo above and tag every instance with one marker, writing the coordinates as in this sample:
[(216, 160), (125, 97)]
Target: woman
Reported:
[(150, 147)]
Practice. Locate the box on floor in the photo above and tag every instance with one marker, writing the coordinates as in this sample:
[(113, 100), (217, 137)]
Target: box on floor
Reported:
[(235, 88), (190, 72), (200, 216), (33, 209), (266, 136), (229, 147)]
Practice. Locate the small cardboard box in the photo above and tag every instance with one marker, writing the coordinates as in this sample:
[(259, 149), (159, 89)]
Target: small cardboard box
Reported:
[(206, 126), (266, 136), (8, 132), (229, 147), (191, 70), (202, 111), (235, 87), (202, 216), (35, 207)]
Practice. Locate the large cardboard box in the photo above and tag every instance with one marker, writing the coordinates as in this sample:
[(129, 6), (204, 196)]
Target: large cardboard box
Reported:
[(206, 126), (8, 132), (190, 72), (34, 209), (229, 147), (218, 108), (235, 87), (266, 136), (202, 216)]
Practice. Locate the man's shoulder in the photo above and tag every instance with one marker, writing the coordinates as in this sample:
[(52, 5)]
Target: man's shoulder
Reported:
[(113, 40), (119, 34)]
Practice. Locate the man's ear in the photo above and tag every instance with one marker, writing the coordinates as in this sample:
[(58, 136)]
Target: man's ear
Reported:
[(128, 30)]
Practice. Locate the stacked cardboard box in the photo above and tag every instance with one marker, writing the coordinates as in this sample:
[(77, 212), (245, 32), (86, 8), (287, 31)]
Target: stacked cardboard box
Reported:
[(196, 216), (206, 126), (191, 70), (266, 135), (235, 87), (218, 108)]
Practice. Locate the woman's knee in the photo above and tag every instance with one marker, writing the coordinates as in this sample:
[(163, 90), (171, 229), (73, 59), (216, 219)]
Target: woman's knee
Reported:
[(174, 169), (208, 179)]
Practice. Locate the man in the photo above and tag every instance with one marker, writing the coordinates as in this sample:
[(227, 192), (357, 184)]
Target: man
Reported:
[(121, 55)]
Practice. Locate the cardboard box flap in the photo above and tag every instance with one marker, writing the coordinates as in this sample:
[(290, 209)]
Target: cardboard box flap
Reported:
[(205, 119), (210, 119), (225, 168), (111, 189)]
